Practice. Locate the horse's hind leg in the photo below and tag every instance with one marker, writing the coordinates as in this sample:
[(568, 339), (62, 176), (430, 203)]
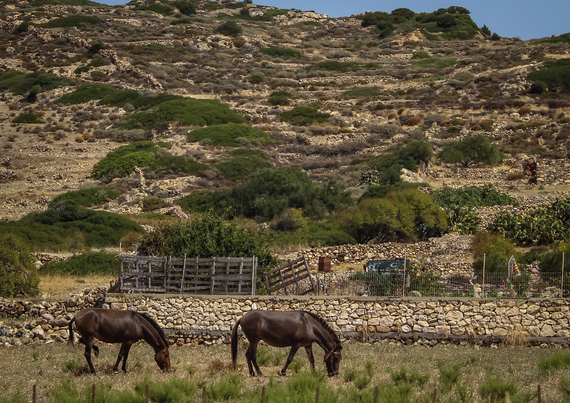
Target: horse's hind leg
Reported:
[(292, 353), (95, 350), (123, 355), (88, 347), (251, 355)]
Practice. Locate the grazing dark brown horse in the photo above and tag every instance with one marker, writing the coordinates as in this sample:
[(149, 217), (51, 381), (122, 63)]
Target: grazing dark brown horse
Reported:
[(118, 326), (282, 329)]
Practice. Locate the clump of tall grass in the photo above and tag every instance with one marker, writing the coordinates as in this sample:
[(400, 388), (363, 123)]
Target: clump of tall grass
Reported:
[(556, 361)]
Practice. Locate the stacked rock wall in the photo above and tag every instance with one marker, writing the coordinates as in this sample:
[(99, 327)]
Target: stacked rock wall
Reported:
[(205, 319)]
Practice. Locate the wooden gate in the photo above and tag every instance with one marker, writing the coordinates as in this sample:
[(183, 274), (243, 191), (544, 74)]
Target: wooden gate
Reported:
[(290, 277), (216, 275)]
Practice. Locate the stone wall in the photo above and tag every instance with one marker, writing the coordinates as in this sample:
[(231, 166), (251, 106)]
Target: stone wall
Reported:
[(209, 319)]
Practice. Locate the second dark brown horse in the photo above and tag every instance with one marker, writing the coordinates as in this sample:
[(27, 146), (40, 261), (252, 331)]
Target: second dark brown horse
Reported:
[(282, 329), (118, 326)]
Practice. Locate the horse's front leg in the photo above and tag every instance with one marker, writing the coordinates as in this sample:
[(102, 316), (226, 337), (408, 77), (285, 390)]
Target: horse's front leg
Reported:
[(309, 350), (123, 354), (292, 353)]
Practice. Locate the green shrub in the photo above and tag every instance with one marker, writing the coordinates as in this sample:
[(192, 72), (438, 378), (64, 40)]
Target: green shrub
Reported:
[(88, 197), (257, 78), (172, 390), (472, 196), (229, 28), (66, 391), (18, 274), (362, 92), (472, 150), (110, 96), (242, 163), (218, 202), (555, 75), (85, 264), (67, 226), (558, 360), (228, 134), (335, 66), (152, 203), (304, 115), (279, 98), (159, 8), (72, 21), (21, 83), (494, 249), (184, 112), (28, 118), (282, 53), (494, 385)]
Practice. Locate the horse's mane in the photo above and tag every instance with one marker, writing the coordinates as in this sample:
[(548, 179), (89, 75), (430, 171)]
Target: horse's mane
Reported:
[(156, 326), (326, 326)]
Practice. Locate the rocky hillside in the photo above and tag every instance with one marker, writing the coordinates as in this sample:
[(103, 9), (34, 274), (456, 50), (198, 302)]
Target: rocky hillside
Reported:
[(375, 91)]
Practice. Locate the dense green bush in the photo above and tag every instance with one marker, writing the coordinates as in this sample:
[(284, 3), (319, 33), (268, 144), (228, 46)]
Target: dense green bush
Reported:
[(335, 66), (304, 115), (18, 274), (472, 150), (494, 249), (229, 134), (219, 202), (184, 112), (85, 264), (110, 96), (145, 154), (72, 21), (229, 28), (282, 53), (242, 163), (405, 215), (555, 75), (67, 226), (152, 203), (472, 196), (544, 225), (21, 83), (88, 197), (28, 118), (279, 98)]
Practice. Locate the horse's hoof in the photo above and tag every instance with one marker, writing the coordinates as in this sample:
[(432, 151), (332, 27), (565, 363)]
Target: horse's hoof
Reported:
[(282, 373)]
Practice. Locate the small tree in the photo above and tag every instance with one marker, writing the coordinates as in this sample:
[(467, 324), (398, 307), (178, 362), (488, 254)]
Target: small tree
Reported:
[(472, 150), (18, 274)]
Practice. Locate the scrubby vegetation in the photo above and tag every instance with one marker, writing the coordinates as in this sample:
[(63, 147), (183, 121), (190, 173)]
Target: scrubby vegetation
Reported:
[(88, 197), (21, 83), (230, 134), (18, 273), (84, 265)]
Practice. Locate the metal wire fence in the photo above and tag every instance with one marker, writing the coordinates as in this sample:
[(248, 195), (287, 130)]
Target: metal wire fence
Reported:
[(525, 285)]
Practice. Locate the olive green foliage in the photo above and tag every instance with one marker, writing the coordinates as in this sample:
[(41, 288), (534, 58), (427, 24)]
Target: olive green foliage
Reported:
[(362, 92), (405, 215), (229, 134), (544, 225), (229, 28), (18, 274), (68, 226), (219, 202), (551, 262), (282, 53), (205, 235), (72, 21), (27, 118), (494, 250), (270, 191), (555, 75), (185, 7), (152, 203), (88, 197), (21, 83), (472, 150), (316, 233), (387, 168), (334, 66), (452, 22), (279, 98), (146, 154), (493, 385), (304, 115), (472, 196), (556, 361), (291, 219), (110, 96), (184, 112), (379, 191), (85, 264), (242, 162), (157, 7)]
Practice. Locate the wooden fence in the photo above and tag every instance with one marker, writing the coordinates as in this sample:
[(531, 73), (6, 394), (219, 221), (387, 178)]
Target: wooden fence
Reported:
[(289, 278), (216, 275)]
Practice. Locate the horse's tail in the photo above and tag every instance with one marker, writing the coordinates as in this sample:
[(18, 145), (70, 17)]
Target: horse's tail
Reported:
[(235, 343), (71, 336)]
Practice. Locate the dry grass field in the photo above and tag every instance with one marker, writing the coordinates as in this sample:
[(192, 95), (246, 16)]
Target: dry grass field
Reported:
[(44, 365)]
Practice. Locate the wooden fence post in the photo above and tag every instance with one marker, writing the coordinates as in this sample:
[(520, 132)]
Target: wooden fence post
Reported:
[(203, 394), (493, 395), (538, 393), (93, 393), (376, 394), (263, 394), (434, 398), (146, 398), (34, 393), (317, 397)]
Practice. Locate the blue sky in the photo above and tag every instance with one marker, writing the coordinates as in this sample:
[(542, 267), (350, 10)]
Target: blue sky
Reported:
[(525, 19)]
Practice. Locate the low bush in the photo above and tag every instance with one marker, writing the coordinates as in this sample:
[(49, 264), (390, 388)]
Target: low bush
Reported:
[(304, 115), (152, 203), (85, 264), (21, 83), (472, 150), (281, 53), (279, 98), (242, 163), (555, 75), (18, 273), (229, 134), (88, 197), (472, 196), (110, 96), (229, 28), (72, 21), (28, 118)]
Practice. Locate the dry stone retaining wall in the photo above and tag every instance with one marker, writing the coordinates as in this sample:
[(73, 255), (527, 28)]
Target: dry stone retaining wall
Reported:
[(205, 319)]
